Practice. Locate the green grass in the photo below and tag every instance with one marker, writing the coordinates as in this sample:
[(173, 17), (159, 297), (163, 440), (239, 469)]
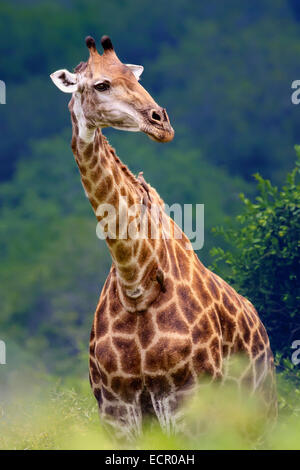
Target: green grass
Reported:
[(64, 416)]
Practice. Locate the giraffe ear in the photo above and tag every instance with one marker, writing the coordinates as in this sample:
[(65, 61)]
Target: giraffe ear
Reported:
[(64, 80), (137, 70)]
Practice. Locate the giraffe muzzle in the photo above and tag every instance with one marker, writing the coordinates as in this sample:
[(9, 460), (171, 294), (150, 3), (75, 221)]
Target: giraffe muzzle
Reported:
[(157, 125)]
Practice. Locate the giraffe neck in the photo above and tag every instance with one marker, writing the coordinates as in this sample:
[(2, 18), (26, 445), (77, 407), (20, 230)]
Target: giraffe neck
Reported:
[(137, 261)]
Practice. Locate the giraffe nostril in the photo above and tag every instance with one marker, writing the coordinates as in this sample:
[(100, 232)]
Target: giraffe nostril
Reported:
[(155, 116)]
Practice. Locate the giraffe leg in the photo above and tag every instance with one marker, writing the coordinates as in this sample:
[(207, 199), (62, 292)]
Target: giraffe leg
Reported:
[(123, 419), (168, 412)]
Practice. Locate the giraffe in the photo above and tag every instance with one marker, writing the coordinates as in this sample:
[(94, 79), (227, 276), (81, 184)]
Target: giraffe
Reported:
[(163, 320)]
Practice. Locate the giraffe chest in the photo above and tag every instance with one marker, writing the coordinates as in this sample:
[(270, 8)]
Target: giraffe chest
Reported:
[(136, 344), (162, 350)]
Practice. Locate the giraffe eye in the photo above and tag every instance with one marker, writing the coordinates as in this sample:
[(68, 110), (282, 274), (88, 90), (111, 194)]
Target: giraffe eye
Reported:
[(103, 86)]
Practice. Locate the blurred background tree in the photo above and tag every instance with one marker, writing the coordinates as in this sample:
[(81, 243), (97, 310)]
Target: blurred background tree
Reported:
[(224, 73), (264, 257)]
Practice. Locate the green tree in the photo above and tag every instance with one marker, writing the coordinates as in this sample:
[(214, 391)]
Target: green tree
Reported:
[(263, 259), (52, 264)]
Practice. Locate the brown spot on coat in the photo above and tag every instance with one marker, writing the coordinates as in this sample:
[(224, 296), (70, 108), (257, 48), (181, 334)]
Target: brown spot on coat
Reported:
[(93, 162), (94, 203), (126, 323), (94, 372), (92, 335), (86, 184), (173, 261), (214, 291), (96, 174), (92, 348), (188, 304), (88, 152), (114, 201), (201, 362), (215, 351), (145, 329), (183, 262), (244, 328), (107, 394), (239, 345), (115, 307), (103, 376), (102, 190), (82, 169), (249, 319), (169, 320), (167, 353), (204, 330), (123, 191), (98, 395), (158, 385), (228, 304), (263, 332), (166, 296), (183, 378), (126, 388), (123, 252), (225, 350), (129, 355), (144, 254), (116, 176), (129, 272), (216, 322), (196, 334), (228, 325), (106, 356), (257, 344), (101, 320), (201, 291)]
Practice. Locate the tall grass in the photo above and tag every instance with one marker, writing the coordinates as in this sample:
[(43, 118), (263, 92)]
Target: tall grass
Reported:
[(65, 416)]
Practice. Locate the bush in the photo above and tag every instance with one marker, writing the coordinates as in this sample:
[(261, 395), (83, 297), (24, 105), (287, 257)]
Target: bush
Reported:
[(262, 261)]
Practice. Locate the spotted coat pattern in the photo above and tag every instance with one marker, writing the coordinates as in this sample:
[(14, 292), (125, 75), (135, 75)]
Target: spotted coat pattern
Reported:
[(147, 355)]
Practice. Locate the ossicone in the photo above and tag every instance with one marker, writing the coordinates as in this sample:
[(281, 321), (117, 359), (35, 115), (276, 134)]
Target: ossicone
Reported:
[(90, 42), (106, 43)]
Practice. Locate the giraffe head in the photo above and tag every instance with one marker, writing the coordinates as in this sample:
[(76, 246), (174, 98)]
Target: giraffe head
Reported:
[(110, 95)]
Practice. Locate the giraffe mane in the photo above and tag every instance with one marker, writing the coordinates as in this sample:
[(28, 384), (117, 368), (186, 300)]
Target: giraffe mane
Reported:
[(133, 178)]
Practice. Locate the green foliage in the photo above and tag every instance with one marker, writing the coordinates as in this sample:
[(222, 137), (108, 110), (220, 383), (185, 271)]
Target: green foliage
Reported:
[(263, 259), (52, 264), (223, 71), (288, 389), (234, 77), (64, 416)]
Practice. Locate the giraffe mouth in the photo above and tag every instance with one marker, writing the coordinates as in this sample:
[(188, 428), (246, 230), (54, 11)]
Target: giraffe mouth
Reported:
[(158, 134)]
